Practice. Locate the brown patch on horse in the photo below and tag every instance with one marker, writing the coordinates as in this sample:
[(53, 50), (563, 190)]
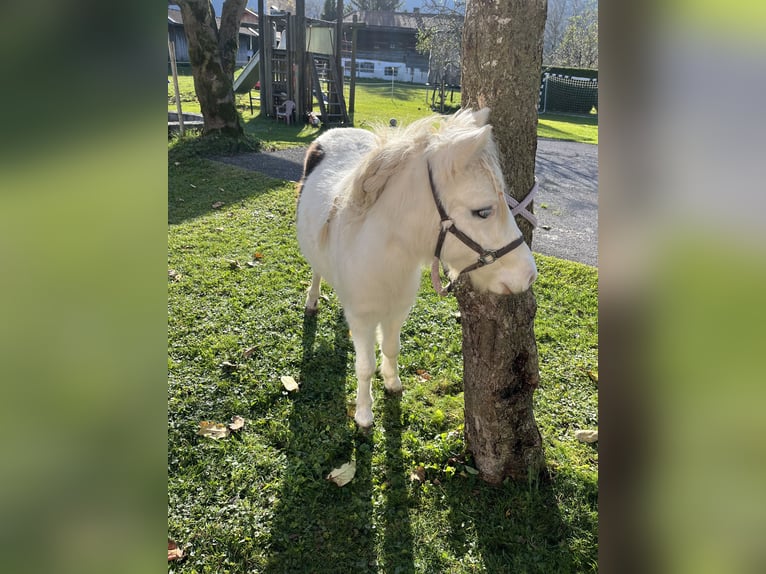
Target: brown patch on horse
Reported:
[(314, 155), (324, 233)]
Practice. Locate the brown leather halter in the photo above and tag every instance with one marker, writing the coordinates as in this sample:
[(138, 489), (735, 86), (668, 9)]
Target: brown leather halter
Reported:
[(486, 256)]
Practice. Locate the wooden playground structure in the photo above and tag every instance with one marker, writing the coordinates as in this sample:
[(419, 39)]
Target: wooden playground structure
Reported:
[(299, 61)]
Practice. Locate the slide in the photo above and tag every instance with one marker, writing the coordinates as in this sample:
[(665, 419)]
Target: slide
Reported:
[(248, 77)]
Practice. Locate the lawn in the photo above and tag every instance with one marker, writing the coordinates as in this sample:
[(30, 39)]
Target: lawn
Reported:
[(377, 102), (258, 501)]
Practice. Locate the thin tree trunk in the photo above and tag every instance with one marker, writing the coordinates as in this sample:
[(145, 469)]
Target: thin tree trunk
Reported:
[(212, 54), (502, 62)]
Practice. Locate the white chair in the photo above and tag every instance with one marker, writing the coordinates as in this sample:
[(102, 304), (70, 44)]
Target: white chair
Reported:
[(285, 111)]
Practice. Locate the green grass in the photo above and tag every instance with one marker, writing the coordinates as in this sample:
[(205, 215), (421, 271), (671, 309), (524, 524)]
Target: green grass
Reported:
[(375, 102), (583, 129), (257, 501)]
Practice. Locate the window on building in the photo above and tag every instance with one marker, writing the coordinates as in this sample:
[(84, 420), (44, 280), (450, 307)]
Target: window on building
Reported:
[(391, 71), (367, 67)]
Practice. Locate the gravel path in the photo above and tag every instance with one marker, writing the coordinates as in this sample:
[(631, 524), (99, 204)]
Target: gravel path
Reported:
[(566, 205)]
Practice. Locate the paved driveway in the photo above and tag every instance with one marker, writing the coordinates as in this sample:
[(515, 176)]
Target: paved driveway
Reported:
[(566, 205)]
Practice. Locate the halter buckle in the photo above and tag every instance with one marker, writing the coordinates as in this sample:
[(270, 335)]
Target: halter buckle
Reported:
[(488, 257)]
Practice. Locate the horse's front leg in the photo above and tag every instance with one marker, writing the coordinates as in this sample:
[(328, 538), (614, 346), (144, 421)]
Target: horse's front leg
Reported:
[(389, 346), (312, 297), (363, 335)]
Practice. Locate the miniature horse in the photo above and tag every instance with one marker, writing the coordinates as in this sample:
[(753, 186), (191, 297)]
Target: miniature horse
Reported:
[(374, 207)]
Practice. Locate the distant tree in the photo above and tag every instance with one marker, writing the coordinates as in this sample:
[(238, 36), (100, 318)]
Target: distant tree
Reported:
[(313, 8), (213, 55), (441, 38), (330, 10), (579, 45), (559, 12), (377, 5)]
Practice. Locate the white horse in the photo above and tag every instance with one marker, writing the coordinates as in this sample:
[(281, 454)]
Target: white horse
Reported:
[(374, 207)]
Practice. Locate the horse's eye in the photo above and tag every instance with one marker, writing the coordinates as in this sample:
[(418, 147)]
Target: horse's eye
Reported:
[(483, 213)]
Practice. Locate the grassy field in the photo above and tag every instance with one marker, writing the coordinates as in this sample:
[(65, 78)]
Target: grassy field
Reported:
[(377, 102), (258, 501)]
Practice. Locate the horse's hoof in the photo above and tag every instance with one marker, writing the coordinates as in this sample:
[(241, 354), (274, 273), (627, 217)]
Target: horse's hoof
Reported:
[(364, 422), (311, 311), (394, 388)]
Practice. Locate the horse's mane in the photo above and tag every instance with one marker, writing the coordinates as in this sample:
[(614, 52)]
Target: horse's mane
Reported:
[(395, 146)]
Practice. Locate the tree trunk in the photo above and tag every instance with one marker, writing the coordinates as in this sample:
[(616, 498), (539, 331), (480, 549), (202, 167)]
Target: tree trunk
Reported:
[(213, 54), (502, 62)]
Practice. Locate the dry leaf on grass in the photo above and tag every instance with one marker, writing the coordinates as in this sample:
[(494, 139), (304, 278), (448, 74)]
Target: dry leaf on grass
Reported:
[(249, 351), (593, 375), (174, 275), (174, 552), (419, 474), (233, 264), (343, 475), (218, 205), (586, 435), (423, 375), (213, 430), (237, 422), (289, 383)]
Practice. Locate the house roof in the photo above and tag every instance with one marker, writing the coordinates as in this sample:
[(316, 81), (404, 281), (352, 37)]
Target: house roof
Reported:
[(409, 20)]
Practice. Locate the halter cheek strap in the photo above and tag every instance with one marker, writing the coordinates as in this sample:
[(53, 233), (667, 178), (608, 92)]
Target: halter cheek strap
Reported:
[(486, 256)]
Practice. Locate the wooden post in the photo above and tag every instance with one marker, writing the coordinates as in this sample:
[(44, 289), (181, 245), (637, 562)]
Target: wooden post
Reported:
[(339, 44), (172, 49), (352, 87), (262, 55), (300, 60)]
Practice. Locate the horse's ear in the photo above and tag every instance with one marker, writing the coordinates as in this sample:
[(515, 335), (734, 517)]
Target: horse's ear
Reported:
[(481, 117), (453, 153), (464, 146)]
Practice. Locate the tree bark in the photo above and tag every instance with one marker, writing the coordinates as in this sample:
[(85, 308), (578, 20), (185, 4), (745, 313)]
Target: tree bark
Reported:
[(502, 62), (213, 54)]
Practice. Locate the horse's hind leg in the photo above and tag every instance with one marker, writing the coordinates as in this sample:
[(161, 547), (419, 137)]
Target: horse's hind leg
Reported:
[(389, 347), (312, 299)]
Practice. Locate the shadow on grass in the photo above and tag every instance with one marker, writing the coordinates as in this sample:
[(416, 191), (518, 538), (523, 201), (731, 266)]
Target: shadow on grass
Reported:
[(397, 552), (196, 185), (317, 526), (519, 528)]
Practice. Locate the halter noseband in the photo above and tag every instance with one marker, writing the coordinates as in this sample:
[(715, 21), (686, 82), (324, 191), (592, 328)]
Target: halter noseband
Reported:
[(486, 256)]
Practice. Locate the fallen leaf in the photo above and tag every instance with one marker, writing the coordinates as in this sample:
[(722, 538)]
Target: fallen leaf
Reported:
[(546, 227), (213, 430), (174, 275), (194, 186), (233, 264), (586, 435), (237, 422), (218, 229), (471, 470), (423, 374), (289, 383), (229, 365), (249, 351), (174, 552), (251, 263), (593, 375), (419, 474), (220, 189), (177, 163), (218, 204), (343, 475), (257, 255)]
